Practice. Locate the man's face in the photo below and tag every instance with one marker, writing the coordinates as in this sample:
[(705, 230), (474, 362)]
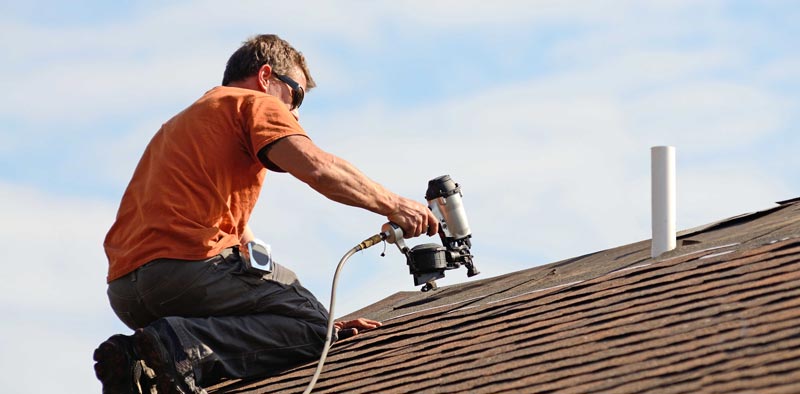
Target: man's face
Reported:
[(283, 91)]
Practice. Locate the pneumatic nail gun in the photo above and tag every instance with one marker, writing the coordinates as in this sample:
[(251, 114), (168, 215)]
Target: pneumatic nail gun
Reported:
[(427, 262)]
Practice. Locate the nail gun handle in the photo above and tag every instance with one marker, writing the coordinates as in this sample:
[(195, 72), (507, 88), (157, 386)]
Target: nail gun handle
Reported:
[(393, 234)]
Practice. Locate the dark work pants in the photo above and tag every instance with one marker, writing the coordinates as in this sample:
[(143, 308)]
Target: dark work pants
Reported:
[(227, 323)]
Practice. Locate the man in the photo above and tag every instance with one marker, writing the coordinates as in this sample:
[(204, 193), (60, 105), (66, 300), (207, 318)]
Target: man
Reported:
[(177, 268)]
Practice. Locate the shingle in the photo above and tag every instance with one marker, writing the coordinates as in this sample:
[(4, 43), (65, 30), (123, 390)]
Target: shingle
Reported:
[(719, 314)]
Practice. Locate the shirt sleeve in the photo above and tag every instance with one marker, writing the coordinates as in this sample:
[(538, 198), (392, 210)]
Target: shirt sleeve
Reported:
[(267, 120)]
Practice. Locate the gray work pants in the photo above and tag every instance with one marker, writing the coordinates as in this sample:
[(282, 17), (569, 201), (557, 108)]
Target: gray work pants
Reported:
[(221, 321)]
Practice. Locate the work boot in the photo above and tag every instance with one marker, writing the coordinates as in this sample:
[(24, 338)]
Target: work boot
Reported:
[(117, 367), (155, 354)]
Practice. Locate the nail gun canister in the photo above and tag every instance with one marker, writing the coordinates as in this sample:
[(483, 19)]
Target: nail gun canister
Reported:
[(429, 258), (444, 200), (427, 262)]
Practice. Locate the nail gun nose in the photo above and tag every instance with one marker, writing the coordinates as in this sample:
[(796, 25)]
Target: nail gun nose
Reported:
[(472, 270)]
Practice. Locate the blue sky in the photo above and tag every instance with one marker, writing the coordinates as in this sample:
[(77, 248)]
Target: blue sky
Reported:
[(544, 111)]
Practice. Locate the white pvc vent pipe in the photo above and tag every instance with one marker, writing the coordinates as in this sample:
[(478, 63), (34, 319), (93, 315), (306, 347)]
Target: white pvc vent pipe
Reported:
[(662, 173)]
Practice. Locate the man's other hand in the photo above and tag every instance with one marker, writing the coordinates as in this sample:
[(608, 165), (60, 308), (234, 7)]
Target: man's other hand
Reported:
[(414, 218), (349, 328)]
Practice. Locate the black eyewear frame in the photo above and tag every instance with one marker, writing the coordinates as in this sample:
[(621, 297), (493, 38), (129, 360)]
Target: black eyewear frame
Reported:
[(297, 91)]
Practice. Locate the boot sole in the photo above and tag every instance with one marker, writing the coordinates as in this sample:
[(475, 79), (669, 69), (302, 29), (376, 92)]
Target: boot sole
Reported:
[(114, 365)]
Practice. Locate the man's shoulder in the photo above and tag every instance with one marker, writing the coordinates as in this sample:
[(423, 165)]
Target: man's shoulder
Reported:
[(228, 101), (234, 94)]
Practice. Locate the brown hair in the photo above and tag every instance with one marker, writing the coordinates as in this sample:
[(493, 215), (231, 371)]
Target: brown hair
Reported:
[(265, 49)]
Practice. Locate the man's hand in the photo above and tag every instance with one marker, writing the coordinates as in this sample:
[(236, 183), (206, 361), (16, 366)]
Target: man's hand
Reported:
[(349, 328), (414, 218)]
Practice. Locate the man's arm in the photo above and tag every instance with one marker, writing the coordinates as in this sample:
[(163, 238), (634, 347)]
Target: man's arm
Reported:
[(342, 182)]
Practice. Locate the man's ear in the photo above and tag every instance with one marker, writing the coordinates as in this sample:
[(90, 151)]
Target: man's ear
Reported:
[(263, 77)]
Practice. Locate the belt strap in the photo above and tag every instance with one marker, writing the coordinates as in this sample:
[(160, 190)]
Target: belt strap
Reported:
[(228, 252)]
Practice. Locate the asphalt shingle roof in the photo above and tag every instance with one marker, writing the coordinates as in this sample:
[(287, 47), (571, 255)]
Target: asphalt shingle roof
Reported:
[(721, 313)]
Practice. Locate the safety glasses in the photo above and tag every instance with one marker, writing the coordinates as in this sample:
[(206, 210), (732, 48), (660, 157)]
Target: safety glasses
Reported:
[(297, 91)]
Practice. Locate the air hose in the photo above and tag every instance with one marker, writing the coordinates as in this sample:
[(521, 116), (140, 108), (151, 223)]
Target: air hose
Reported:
[(328, 337)]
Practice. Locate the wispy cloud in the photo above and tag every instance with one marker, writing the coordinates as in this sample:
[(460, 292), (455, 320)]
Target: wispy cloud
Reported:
[(53, 292)]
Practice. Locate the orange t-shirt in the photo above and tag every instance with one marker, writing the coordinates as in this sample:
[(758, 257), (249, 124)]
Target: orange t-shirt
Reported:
[(197, 182)]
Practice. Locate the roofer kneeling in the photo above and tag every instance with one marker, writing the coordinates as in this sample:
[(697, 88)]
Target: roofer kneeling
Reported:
[(177, 262)]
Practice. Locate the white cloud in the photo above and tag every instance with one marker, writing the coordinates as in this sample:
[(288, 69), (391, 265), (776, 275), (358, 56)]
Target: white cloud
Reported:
[(120, 153), (54, 289), (726, 189), (57, 242), (707, 116), (159, 57), (81, 93), (42, 357), (784, 70)]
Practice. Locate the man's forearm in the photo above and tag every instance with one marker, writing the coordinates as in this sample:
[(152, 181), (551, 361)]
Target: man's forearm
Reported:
[(342, 182), (331, 176)]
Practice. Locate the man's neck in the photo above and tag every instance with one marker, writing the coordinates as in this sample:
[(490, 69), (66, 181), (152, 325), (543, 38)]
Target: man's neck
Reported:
[(247, 83)]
